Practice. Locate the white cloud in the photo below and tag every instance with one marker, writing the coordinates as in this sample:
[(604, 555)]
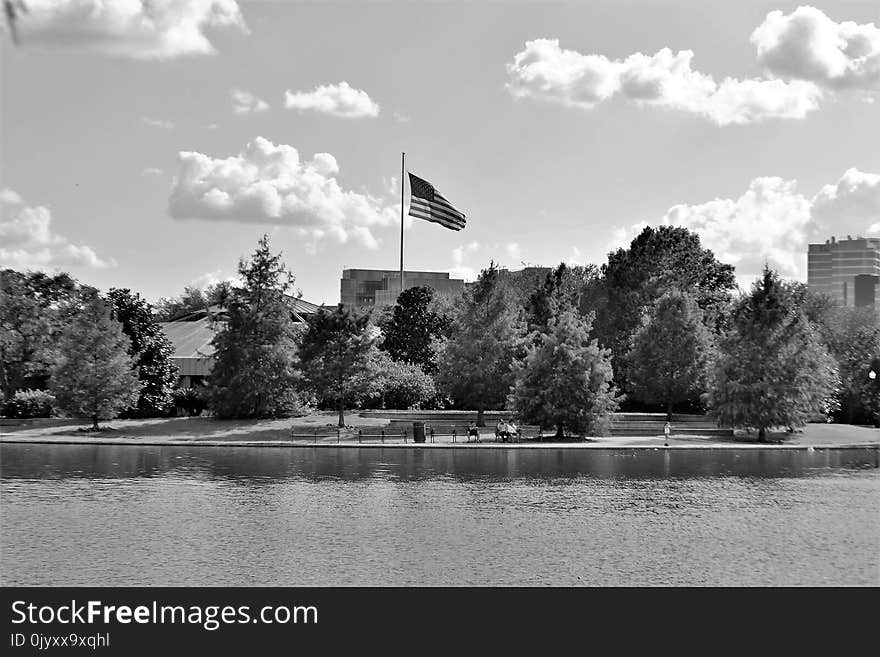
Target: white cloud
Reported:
[(268, 183), (576, 258), (245, 102), (545, 71), (513, 250), (460, 255), (339, 100), (210, 278), (152, 171), (159, 29), (27, 240), (401, 118), (808, 45), (850, 203), (157, 123), (773, 222), (770, 222)]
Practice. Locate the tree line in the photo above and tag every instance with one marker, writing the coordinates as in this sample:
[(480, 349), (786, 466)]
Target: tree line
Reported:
[(660, 326)]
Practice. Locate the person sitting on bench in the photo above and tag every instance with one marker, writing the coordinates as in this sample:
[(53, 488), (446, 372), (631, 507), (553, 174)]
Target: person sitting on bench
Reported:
[(473, 431)]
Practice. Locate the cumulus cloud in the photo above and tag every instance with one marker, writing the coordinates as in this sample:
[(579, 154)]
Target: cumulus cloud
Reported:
[(850, 202), (808, 45), (269, 183), (210, 278), (27, 240), (339, 100), (244, 102), (513, 250), (773, 222), (460, 255), (545, 71), (159, 29)]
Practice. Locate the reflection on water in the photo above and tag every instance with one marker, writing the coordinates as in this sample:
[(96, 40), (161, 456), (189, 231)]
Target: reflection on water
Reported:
[(117, 515)]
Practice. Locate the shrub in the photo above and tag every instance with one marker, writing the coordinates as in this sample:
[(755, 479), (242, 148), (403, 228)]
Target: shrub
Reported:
[(29, 403), (189, 400)]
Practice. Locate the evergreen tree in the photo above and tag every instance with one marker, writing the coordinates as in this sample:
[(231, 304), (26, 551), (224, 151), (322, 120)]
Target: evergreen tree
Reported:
[(773, 369), (337, 353), (671, 352), (565, 379), (94, 377), (412, 329), (151, 350), (564, 288), (475, 366), (255, 369)]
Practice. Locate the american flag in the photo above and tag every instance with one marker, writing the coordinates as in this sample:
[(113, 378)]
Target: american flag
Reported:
[(427, 203)]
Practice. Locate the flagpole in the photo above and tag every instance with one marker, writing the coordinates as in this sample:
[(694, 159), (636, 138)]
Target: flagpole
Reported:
[(402, 184)]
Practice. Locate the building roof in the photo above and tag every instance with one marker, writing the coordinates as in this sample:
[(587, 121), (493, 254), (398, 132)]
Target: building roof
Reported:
[(191, 339)]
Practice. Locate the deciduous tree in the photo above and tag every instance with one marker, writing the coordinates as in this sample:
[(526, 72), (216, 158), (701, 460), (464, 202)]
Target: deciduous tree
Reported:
[(413, 328), (337, 357), (151, 350)]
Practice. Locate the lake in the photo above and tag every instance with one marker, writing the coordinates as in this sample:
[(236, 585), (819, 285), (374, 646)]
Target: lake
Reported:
[(196, 516)]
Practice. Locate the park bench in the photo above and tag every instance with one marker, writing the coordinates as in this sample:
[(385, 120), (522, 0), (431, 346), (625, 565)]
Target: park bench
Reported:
[(455, 430), (522, 431), (314, 432), (373, 433)]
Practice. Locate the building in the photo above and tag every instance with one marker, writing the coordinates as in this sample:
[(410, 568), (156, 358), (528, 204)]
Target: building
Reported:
[(360, 288), (846, 270), (192, 334)]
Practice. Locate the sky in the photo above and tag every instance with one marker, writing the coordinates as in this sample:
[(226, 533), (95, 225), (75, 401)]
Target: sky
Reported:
[(149, 145)]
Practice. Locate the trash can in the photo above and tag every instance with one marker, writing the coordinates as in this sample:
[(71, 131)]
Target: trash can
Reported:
[(418, 432)]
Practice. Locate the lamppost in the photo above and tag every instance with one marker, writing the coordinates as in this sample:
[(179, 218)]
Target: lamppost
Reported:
[(875, 380)]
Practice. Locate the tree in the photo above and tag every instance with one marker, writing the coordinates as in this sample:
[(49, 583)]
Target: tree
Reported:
[(193, 299), (773, 369), (151, 350), (402, 385), (475, 367), (413, 328), (34, 309), (853, 338), (337, 355), (671, 352), (255, 371), (657, 260), (94, 377), (564, 288), (565, 380)]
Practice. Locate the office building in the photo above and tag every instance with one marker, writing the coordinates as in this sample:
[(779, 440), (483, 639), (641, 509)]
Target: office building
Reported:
[(847, 270), (361, 288)]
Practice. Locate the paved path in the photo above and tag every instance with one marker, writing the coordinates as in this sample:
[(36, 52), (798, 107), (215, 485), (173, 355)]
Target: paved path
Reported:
[(212, 432)]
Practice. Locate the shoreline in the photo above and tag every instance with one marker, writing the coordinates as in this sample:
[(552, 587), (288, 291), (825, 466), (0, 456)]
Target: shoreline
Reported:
[(642, 445), (211, 432)]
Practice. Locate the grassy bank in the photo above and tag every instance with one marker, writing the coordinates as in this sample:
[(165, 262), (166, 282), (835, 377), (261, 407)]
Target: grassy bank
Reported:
[(196, 429)]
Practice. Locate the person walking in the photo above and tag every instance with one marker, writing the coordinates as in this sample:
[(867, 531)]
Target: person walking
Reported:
[(667, 429)]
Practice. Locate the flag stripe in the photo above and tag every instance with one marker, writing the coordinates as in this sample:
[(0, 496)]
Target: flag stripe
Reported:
[(436, 219), (431, 208), (427, 203)]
